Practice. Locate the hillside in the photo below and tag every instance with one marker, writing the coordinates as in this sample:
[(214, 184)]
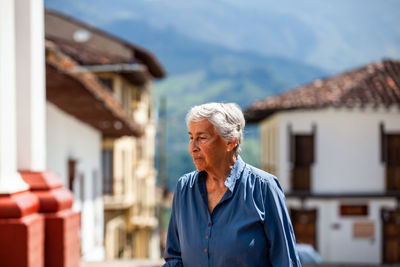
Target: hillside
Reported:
[(200, 72), (333, 35)]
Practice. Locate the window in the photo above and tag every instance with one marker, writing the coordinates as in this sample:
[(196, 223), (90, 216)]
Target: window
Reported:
[(108, 83), (302, 157), (390, 144), (107, 164), (353, 210), (393, 162), (391, 236), (71, 173), (305, 226)]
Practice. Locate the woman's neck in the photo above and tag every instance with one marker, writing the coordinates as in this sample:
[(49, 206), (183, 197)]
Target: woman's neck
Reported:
[(220, 172)]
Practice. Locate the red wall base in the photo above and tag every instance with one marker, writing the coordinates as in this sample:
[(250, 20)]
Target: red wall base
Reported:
[(21, 231), (62, 239)]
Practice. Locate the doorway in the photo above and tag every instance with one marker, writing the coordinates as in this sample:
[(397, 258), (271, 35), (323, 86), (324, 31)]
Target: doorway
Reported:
[(304, 225)]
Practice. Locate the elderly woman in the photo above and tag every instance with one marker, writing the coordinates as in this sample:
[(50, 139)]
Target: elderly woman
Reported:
[(226, 213)]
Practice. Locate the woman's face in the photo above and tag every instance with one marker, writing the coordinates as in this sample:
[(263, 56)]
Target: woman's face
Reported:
[(208, 149)]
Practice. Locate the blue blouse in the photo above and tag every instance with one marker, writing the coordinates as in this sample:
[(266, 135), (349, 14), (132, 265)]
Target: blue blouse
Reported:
[(250, 226)]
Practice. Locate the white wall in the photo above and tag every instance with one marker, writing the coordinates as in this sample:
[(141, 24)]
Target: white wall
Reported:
[(347, 160), (335, 241), (348, 149), (67, 137)]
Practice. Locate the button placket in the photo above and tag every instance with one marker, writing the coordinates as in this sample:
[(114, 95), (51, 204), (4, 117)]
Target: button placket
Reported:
[(207, 237)]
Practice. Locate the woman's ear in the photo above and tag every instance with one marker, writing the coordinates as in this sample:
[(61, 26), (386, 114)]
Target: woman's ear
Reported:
[(231, 145)]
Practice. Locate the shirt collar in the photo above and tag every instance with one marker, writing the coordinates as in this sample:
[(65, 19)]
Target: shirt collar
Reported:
[(235, 174)]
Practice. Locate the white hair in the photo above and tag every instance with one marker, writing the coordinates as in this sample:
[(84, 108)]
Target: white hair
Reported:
[(227, 119)]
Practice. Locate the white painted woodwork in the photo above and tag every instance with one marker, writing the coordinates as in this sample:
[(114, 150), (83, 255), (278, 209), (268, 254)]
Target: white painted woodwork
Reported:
[(30, 83), (10, 180)]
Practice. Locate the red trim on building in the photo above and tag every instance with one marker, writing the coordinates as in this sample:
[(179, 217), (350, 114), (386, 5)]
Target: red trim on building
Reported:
[(21, 230), (18, 205), (62, 241), (49, 189)]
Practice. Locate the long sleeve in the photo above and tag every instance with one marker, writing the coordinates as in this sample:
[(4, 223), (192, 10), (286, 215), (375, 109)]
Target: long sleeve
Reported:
[(172, 254), (278, 228)]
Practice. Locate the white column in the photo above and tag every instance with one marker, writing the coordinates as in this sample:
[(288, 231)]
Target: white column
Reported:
[(10, 180), (31, 91)]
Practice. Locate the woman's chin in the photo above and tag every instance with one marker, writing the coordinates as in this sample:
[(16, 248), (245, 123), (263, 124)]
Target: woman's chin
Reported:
[(199, 166)]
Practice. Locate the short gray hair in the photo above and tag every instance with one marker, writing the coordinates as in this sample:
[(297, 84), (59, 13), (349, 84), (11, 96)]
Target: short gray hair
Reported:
[(227, 119)]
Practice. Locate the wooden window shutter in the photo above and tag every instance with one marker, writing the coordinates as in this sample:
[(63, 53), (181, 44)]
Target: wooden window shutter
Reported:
[(383, 142), (304, 150), (291, 144), (71, 173)]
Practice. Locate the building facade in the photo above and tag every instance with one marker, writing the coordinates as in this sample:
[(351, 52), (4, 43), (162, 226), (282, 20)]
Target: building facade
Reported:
[(79, 111), (37, 224), (335, 146), (130, 184), (126, 177)]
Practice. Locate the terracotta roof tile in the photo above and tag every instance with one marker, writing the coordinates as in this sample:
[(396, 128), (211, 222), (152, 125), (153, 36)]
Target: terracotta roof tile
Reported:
[(85, 55), (374, 84), (82, 95)]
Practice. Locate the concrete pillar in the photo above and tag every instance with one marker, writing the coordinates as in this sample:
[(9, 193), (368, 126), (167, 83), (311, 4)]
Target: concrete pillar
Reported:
[(62, 242), (31, 90), (10, 180), (21, 227)]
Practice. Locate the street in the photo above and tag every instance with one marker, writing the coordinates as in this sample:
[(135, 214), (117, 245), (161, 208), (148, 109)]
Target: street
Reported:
[(158, 263)]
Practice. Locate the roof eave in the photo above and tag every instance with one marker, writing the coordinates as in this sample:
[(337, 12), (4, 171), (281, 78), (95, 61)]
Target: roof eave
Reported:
[(84, 97), (143, 55)]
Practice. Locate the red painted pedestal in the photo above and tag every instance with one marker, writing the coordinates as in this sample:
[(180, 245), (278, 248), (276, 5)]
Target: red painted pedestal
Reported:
[(62, 242), (21, 231)]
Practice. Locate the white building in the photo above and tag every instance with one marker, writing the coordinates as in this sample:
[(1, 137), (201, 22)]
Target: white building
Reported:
[(80, 112), (102, 135), (37, 225), (334, 145), (47, 144)]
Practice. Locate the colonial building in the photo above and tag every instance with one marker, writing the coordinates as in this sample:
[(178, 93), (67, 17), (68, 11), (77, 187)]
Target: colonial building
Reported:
[(334, 144), (125, 175), (77, 109), (37, 225)]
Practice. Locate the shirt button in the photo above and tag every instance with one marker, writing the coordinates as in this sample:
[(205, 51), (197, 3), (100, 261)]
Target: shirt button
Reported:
[(205, 250), (206, 236)]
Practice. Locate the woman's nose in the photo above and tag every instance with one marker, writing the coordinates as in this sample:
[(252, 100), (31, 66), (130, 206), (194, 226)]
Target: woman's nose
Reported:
[(193, 145)]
